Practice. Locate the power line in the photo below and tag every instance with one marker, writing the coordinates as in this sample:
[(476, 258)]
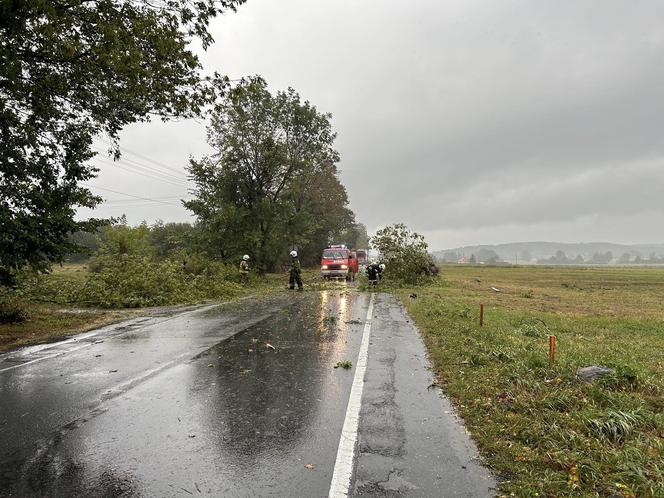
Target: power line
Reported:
[(131, 203), (129, 207), (145, 167), (146, 174), (113, 201), (142, 156), (179, 175), (130, 195)]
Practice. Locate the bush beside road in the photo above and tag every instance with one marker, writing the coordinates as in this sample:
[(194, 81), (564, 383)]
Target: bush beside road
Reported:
[(544, 431)]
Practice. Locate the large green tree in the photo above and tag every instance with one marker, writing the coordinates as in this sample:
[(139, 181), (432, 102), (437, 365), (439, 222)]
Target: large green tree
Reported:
[(73, 69), (272, 181)]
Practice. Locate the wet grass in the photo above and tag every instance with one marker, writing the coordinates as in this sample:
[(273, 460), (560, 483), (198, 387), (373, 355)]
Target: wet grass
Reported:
[(542, 430), (48, 323)]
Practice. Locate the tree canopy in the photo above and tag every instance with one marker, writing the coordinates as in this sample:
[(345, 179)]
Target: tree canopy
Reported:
[(272, 182), (405, 254), (73, 69)]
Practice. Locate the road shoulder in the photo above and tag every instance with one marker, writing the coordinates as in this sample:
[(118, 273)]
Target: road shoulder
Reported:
[(410, 441)]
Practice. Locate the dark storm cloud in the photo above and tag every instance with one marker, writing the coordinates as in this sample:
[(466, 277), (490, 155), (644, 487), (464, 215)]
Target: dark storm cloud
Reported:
[(473, 121)]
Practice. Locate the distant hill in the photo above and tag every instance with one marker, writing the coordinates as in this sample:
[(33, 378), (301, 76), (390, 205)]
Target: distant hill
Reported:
[(557, 252)]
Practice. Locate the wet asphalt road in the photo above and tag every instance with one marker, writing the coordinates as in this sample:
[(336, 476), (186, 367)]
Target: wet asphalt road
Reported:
[(235, 400)]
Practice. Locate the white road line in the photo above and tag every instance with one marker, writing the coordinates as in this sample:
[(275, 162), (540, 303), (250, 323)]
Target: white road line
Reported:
[(42, 358), (343, 467), (86, 335), (127, 384)]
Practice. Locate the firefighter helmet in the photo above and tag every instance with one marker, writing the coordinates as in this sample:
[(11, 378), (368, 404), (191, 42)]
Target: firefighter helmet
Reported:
[(293, 254), (382, 266), (245, 257)]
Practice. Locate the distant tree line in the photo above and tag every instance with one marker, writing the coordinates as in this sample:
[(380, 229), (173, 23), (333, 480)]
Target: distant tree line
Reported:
[(488, 256), (601, 258)]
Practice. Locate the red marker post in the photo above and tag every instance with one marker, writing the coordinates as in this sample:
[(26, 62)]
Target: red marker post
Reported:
[(552, 348)]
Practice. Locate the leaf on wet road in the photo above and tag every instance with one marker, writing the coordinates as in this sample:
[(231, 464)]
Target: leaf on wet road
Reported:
[(310, 466)]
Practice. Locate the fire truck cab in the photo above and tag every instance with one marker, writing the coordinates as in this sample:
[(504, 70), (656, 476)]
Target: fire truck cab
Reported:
[(339, 262)]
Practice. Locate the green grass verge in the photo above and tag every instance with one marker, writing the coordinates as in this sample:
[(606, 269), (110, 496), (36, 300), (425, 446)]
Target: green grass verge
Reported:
[(542, 430)]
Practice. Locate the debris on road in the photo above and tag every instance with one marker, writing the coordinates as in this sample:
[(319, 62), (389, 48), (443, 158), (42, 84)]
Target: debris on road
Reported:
[(346, 364), (112, 371), (310, 466), (354, 322), (210, 365), (270, 346)]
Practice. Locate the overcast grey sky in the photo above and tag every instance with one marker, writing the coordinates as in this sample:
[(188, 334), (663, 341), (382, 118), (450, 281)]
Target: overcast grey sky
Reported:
[(470, 121)]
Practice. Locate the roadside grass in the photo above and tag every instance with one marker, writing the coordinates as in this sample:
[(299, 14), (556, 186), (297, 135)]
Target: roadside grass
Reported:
[(545, 432), (48, 323)]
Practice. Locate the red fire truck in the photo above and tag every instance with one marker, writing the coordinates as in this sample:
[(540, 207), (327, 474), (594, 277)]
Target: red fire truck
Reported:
[(339, 262)]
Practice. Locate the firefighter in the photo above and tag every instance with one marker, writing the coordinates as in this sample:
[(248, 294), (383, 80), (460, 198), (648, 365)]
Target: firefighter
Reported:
[(372, 273), (295, 272), (244, 269), (381, 267)]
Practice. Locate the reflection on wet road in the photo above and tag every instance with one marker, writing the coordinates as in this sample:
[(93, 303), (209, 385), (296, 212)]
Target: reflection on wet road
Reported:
[(236, 400)]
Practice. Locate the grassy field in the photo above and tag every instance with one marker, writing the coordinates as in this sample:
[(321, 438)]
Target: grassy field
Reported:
[(542, 430)]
